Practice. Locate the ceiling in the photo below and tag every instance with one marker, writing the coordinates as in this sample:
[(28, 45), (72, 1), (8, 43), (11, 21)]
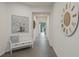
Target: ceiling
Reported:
[(39, 4)]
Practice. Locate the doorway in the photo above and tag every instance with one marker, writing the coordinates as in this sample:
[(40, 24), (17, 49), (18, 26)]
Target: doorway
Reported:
[(42, 29), (41, 25)]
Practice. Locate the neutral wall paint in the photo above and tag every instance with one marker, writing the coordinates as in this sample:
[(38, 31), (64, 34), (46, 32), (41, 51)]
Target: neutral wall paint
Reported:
[(6, 10), (3, 28), (63, 46), (21, 10), (41, 9)]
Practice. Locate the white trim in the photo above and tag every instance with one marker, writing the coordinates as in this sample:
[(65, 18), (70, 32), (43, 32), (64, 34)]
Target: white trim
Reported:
[(1, 53)]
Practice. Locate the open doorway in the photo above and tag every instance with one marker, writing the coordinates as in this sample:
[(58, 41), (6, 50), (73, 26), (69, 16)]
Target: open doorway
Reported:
[(41, 25), (42, 29)]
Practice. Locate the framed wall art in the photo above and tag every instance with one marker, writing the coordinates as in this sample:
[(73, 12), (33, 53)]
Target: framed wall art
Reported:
[(20, 24)]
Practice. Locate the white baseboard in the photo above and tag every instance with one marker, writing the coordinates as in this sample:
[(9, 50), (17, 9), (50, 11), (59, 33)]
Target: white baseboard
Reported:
[(2, 53), (52, 46)]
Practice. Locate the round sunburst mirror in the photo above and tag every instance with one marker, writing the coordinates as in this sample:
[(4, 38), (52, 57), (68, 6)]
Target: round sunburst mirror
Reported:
[(69, 21)]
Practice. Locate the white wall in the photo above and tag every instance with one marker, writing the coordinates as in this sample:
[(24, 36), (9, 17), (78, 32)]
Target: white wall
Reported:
[(6, 10), (63, 46), (3, 28), (20, 10), (41, 9)]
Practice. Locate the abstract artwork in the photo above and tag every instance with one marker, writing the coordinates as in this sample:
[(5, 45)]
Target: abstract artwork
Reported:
[(20, 24)]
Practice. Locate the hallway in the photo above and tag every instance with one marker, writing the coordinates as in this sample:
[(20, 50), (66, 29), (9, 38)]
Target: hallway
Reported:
[(41, 49)]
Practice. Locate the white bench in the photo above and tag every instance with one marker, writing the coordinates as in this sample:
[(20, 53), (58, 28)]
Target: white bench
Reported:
[(15, 43)]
